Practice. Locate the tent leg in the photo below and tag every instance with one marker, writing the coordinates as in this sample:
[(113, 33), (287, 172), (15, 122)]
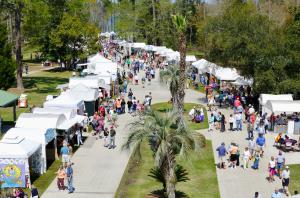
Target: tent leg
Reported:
[(14, 111)]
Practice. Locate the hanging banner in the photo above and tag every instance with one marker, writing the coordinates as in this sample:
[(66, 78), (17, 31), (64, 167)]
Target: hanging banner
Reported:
[(12, 175)]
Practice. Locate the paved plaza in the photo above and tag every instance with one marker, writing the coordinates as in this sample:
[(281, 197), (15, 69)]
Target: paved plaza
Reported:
[(98, 170)]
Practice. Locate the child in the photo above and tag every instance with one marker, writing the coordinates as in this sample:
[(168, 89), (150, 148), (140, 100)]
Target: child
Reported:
[(231, 121), (255, 165)]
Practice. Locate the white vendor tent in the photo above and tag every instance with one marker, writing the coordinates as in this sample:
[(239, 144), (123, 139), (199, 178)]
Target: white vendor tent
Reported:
[(71, 117), (138, 45), (102, 68), (40, 121), (97, 58), (64, 101), (82, 92), (203, 66), (42, 136), (19, 153), (226, 74), (242, 81), (264, 98), (190, 58), (91, 82), (69, 113), (279, 106)]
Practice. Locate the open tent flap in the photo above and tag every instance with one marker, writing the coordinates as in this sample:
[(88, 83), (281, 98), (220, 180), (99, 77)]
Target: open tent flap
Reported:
[(263, 98), (279, 106), (69, 113), (67, 124), (40, 121), (226, 74)]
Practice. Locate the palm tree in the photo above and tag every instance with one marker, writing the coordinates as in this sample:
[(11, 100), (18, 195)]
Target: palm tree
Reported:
[(171, 76), (166, 142), (180, 24)]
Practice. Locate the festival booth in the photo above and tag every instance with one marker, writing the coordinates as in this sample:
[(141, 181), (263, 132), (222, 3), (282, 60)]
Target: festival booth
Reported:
[(65, 101), (291, 126), (190, 58), (204, 66), (90, 82), (263, 99), (98, 58), (46, 137), (226, 74), (89, 95), (20, 158)]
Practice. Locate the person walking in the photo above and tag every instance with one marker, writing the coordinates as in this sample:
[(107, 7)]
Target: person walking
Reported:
[(280, 162), (239, 121), (211, 122), (222, 155), (106, 133), (271, 167), (276, 194), (231, 121), (112, 134), (69, 174), (223, 122), (286, 180), (61, 174), (246, 157), (78, 135), (64, 151), (261, 143)]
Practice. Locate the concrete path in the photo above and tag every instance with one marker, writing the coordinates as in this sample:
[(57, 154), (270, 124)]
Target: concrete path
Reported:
[(98, 171)]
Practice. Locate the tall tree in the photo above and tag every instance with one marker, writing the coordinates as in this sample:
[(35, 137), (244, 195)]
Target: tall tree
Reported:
[(167, 140), (7, 65), (180, 24), (15, 8)]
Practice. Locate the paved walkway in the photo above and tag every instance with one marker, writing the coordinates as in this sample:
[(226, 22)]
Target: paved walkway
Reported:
[(98, 171)]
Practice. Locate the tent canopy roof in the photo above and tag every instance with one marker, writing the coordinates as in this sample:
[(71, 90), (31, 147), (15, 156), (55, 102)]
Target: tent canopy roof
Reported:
[(7, 98), (90, 82), (82, 92), (97, 58), (279, 106), (226, 74), (65, 101), (190, 58), (263, 98), (40, 121), (17, 147), (69, 113), (43, 136)]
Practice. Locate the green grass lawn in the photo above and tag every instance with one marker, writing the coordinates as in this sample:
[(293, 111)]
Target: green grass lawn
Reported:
[(201, 168), (294, 178), (37, 87), (163, 107)]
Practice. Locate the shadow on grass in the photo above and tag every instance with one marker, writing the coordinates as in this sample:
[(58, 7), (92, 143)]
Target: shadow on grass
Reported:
[(160, 194), (43, 84)]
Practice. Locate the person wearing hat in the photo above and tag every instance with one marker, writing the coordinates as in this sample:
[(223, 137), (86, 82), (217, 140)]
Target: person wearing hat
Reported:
[(286, 180), (222, 155)]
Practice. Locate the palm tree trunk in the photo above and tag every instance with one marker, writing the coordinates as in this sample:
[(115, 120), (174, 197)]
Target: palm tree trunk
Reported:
[(18, 45), (182, 77), (169, 174)]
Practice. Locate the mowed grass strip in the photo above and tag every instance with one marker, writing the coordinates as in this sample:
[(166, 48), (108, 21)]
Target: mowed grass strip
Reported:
[(165, 106), (203, 182)]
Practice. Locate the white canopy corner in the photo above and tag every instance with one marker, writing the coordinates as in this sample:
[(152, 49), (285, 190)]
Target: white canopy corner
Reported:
[(279, 106), (190, 58)]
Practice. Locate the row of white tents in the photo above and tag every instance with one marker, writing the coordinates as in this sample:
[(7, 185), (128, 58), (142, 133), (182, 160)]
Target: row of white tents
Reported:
[(221, 73), (34, 139), (162, 51)]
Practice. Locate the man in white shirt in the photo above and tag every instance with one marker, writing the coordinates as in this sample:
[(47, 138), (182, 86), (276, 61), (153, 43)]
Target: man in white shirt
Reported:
[(239, 122), (286, 180)]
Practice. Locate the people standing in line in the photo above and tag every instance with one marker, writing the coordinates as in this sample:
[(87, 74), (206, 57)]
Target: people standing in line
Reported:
[(112, 136), (69, 173), (61, 174), (286, 180), (222, 155)]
